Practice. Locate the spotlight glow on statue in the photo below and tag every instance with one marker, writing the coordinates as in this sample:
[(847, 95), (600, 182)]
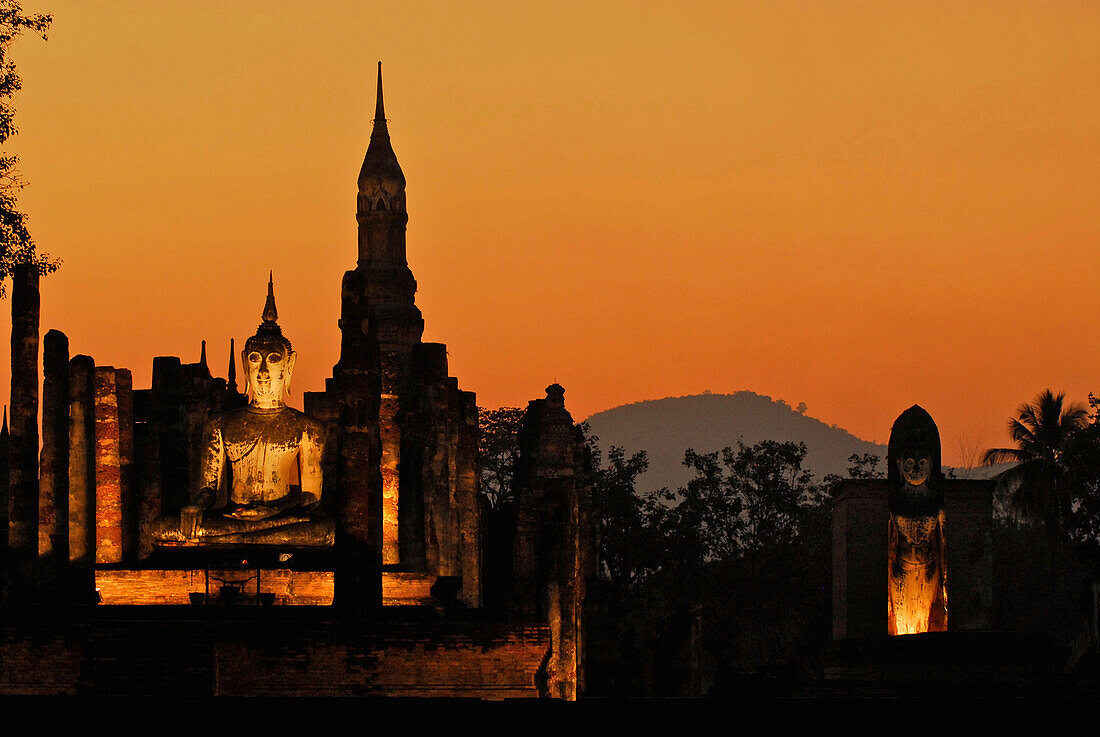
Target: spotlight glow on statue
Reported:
[(917, 562), (262, 446)]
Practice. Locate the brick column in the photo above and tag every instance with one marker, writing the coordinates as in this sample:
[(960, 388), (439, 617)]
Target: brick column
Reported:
[(53, 492), (81, 478), (124, 392), (108, 489), (23, 474)]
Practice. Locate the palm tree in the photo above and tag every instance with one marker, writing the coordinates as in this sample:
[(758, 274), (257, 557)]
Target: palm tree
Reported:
[(1038, 485)]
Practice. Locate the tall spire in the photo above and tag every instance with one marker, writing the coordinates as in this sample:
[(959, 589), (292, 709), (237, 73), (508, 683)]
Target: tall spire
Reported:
[(270, 313), (380, 167), (379, 110), (202, 358)]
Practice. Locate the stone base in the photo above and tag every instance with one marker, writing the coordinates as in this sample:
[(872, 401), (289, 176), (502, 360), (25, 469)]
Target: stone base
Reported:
[(265, 651), (407, 589), (291, 530), (945, 664), (175, 587)]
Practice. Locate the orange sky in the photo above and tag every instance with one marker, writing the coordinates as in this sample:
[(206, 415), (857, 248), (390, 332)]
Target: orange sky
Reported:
[(854, 205)]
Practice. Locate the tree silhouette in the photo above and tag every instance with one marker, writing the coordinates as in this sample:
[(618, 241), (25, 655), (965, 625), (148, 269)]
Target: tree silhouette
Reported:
[(16, 245), (1038, 485), (498, 450)]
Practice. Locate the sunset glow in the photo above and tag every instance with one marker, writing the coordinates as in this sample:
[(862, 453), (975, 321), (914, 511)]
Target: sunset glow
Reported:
[(860, 206)]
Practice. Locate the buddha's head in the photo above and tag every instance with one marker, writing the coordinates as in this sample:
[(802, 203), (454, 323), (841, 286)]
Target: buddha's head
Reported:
[(914, 450), (268, 359)]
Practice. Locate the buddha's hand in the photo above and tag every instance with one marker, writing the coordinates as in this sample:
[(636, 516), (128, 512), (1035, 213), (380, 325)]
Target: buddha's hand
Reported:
[(190, 519), (254, 512)]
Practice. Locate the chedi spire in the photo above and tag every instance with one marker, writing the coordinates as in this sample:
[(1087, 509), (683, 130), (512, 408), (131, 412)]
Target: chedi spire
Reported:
[(380, 168)]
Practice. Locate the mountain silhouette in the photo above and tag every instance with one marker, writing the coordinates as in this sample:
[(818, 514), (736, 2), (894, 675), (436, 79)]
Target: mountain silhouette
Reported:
[(707, 422), (664, 428)]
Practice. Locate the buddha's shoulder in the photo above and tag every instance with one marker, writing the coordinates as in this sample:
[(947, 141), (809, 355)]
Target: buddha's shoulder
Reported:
[(241, 418), (300, 419)]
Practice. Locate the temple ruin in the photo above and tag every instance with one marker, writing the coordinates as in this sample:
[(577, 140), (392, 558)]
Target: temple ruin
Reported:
[(379, 585)]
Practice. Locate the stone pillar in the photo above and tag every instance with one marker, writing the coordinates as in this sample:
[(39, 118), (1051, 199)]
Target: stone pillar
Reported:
[(23, 475), (108, 490), (553, 556), (359, 529), (468, 502), (173, 440), (124, 391), (147, 481), (81, 479), (391, 459), (356, 387), (53, 494)]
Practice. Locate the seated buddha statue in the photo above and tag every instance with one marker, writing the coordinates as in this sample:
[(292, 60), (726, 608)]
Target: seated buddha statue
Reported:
[(261, 446)]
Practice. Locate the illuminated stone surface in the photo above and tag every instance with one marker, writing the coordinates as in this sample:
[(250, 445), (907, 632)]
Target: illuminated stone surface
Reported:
[(916, 543), (257, 451), (175, 587), (389, 382), (108, 490), (185, 482), (554, 552)]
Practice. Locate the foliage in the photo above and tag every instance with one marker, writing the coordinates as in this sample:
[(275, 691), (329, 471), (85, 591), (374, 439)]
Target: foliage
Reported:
[(742, 548), (1040, 485), (16, 245), (498, 449), (630, 529), (863, 466), (740, 501), (1082, 462), (745, 499)]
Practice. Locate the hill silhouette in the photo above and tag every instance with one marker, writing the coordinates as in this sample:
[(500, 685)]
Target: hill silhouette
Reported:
[(664, 428), (707, 422)]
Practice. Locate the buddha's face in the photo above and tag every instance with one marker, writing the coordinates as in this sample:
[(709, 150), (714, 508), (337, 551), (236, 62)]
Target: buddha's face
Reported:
[(268, 367), (915, 468)]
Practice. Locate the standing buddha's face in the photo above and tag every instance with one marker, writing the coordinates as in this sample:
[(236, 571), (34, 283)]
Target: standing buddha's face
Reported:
[(268, 367), (915, 468)]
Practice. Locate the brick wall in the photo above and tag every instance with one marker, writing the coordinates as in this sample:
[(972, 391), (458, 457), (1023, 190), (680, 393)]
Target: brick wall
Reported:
[(285, 651)]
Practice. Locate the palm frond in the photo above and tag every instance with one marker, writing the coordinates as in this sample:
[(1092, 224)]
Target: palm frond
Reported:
[(994, 456)]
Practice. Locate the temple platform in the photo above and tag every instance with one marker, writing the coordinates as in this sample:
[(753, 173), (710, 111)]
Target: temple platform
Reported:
[(267, 651), (243, 585)]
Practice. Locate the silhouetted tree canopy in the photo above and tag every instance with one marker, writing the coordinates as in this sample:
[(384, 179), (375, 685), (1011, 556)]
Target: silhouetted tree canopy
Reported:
[(742, 548), (498, 449), (1042, 486), (16, 245)]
